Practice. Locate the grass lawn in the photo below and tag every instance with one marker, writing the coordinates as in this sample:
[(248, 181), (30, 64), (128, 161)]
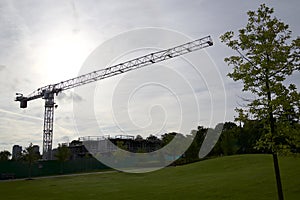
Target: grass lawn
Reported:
[(232, 177)]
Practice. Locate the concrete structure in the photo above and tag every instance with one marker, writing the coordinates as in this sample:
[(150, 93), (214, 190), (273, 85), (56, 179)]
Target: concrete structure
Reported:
[(87, 146), (36, 150), (108, 144), (16, 152)]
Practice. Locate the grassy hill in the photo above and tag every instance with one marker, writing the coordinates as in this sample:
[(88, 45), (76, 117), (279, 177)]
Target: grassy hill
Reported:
[(232, 177)]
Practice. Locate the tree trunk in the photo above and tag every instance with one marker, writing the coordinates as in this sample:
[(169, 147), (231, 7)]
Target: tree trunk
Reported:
[(61, 167), (278, 179), (29, 171), (272, 126)]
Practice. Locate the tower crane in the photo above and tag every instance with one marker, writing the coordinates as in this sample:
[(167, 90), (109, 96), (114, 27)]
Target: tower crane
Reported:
[(48, 92)]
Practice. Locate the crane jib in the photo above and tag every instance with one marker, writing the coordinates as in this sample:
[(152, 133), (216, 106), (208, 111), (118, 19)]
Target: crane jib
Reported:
[(136, 63)]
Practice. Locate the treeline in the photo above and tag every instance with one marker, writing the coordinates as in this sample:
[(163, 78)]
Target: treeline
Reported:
[(233, 139), (248, 138)]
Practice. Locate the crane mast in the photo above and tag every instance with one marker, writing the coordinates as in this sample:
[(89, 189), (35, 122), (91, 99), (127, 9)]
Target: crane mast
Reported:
[(48, 92)]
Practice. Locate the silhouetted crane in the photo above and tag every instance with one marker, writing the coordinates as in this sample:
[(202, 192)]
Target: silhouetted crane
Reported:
[(48, 92)]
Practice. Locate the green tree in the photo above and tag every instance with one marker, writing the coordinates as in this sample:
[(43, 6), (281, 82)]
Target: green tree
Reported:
[(62, 155), (139, 138), (30, 155), (152, 138), (192, 153), (228, 142), (173, 151), (267, 56), (229, 139), (249, 134), (4, 155)]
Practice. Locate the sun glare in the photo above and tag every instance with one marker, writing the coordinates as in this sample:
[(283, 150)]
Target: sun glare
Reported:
[(61, 57)]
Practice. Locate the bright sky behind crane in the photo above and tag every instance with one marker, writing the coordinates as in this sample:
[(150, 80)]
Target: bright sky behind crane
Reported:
[(44, 42)]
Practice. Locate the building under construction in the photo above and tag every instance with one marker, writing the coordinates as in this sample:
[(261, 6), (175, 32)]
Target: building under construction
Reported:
[(86, 146)]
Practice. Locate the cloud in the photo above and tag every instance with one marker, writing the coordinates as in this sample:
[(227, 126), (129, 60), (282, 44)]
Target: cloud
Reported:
[(64, 139), (69, 96), (2, 67)]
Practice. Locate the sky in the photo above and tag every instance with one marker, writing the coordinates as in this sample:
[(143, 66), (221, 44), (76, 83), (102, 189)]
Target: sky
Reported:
[(45, 42)]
